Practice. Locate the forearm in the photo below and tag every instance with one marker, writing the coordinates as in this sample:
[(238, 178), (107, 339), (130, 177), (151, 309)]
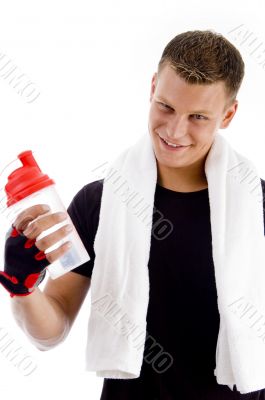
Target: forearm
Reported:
[(41, 318)]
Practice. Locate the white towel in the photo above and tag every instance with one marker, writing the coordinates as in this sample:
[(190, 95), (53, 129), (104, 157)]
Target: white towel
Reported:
[(120, 278)]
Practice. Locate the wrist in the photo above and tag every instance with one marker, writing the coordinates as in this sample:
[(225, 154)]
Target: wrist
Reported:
[(26, 287)]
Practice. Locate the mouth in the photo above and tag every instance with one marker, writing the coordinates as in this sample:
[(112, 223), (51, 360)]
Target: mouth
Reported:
[(171, 147)]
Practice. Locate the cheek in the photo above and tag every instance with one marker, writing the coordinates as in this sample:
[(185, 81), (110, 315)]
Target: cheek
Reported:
[(156, 119), (202, 133), (203, 141)]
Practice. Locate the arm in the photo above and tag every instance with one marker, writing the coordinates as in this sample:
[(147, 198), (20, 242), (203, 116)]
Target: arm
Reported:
[(41, 318), (46, 317)]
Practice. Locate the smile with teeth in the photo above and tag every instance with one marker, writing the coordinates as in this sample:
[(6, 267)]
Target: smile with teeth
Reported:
[(171, 144)]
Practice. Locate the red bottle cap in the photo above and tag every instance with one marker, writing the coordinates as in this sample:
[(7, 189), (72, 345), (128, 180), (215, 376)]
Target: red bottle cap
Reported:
[(25, 180)]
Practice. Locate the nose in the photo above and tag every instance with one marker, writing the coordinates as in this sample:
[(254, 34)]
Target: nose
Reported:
[(177, 127)]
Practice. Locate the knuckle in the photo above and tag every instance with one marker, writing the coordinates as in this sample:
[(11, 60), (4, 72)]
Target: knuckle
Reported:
[(43, 244), (59, 216), (30, 216), (21, 223), (33, 229), (27, 215), (21, 215)]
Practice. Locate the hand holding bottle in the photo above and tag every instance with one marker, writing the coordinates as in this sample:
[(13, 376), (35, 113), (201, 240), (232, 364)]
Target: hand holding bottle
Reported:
[(25, 260), (28, 187)]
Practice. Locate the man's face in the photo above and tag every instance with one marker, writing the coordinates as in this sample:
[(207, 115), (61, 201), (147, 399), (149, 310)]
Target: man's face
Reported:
[(185, 114)]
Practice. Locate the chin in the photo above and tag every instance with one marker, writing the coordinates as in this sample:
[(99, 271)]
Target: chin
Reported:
[(171, 163)]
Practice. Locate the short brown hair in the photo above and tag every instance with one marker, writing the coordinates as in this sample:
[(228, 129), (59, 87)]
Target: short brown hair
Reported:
[(204, 57)]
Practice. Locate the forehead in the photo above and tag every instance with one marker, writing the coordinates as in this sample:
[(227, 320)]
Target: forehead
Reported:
[(176, 92)]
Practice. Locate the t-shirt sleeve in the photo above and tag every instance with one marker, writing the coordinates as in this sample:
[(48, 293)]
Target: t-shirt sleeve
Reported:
[(84, 212)]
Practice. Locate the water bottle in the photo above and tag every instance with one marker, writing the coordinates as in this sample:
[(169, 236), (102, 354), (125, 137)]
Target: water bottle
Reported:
[(28, 186)]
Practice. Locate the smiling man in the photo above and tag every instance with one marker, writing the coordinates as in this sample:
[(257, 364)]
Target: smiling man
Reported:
[(187, 115), (193, 95)]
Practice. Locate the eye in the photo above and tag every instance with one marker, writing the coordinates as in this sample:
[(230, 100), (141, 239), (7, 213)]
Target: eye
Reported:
[(201, 117), (168, 108), (165, 106)]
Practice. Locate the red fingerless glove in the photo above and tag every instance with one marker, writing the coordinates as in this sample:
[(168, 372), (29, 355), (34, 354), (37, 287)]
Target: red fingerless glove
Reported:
[(25, 265)]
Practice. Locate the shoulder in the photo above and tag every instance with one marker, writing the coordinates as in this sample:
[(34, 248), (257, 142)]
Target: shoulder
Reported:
[(84, 212), (85, 205), (89, 195), (94, 189)]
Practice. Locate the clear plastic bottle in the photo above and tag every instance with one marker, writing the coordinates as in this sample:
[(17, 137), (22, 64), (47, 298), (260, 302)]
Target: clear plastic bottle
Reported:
[(28, 186)]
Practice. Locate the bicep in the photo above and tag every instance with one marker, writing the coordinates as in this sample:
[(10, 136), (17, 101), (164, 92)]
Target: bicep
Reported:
[(69, 290)]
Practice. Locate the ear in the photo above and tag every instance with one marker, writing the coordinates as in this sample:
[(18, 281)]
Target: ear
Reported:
[(153, 85), (229, 114)]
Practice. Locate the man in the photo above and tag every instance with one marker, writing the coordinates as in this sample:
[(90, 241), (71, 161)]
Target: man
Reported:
[(193, 94)]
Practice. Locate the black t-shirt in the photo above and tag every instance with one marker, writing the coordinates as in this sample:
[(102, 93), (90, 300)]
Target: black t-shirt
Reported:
[(182, 314)]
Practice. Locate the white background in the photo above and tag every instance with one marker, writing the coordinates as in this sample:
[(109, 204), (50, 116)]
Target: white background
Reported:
[(92, 63)]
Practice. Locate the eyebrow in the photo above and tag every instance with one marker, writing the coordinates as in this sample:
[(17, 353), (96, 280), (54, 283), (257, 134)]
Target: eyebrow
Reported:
[(192, 112)]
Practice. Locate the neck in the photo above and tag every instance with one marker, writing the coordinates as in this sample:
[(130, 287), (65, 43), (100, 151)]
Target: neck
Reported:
[(186, 179)]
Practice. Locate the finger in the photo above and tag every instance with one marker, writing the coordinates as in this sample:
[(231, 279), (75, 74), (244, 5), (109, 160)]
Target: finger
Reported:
[(54, 237), (28, 215), (39, 225), (57, 253)]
